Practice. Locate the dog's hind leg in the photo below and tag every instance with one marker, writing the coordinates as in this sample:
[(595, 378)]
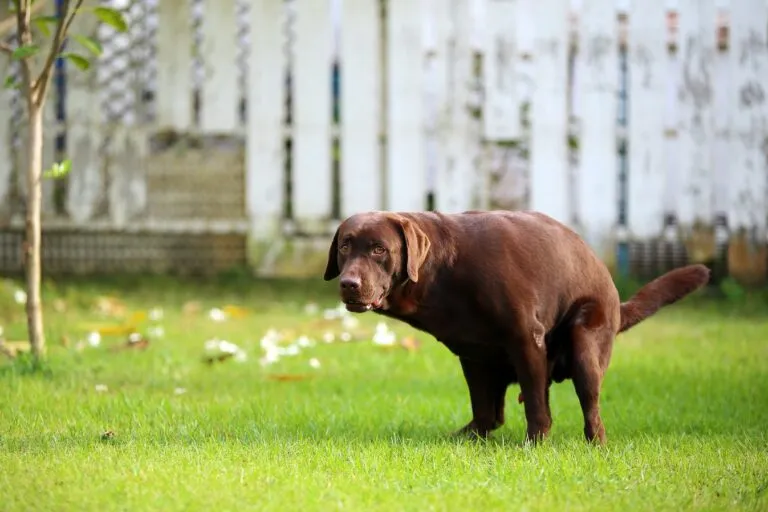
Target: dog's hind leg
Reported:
[(587, 373)]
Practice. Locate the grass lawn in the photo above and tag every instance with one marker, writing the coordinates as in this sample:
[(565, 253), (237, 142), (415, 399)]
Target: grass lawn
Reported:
[(357, 425)]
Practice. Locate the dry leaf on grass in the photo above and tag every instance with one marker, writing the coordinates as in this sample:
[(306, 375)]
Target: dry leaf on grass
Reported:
[(410, 344), (110, 306), (107, 435), (135, 341), (12, 349), (191, 308), (288, 377)]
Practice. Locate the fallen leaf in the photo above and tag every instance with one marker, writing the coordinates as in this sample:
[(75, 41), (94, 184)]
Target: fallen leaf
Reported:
[(410, 344), (107, 435), (110, 306), (191, 308), (59, 306), (287, 377), (135, 341), (12, 349), (234, 311)]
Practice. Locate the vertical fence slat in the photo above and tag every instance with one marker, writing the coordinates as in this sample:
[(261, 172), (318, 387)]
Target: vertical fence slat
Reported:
[(748, 184), (437, 30), (550, 182), (127, 168), (723, 115), (648, 88), (86, 183), (174, 65), (501, 108), (219, 103), (405, 175), (264, 139), (749, 69), (455, 186), (361, 166), (6, 160), (696, 135), (598, 170), (312, 183)]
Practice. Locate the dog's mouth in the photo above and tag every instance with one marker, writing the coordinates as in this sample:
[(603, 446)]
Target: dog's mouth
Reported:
[(357, 306)]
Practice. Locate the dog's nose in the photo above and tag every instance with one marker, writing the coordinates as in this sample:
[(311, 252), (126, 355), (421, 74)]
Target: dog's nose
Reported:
[(350, 284)]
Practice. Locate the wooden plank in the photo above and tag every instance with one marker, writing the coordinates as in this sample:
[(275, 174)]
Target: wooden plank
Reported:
[(85, 189), (456, 184), (361, 166), (749, 68), (264, 178), (696, 134), (219, 104), (127, 172), (723, 118), (312, 178), (550, 181), (648, 89), (6, 160), (174, 65), (437, 31), (406, 176), (501, 107), (598, 193)]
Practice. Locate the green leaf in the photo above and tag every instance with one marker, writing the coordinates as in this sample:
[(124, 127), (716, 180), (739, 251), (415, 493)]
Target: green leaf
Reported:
[(42, 23), (78, 60), (89, 44), (10, 83), (58, 170), (111, 17), (25, 51)]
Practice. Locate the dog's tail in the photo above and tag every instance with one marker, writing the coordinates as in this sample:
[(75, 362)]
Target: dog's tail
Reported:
[(662, 291)]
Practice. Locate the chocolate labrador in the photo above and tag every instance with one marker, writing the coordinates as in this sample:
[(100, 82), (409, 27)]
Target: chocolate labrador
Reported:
[(517, 296)]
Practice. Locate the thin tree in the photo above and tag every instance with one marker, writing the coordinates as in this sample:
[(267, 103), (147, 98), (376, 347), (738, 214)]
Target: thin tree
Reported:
[(36, 69)]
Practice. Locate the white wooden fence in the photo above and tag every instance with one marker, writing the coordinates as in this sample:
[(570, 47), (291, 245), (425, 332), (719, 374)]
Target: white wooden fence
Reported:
[(629, 121)]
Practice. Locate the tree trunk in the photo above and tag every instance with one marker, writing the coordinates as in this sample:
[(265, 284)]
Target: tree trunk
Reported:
[(33, 246)]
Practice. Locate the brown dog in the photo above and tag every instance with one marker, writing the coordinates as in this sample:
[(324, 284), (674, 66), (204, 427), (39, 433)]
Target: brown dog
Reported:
[(517, 296)]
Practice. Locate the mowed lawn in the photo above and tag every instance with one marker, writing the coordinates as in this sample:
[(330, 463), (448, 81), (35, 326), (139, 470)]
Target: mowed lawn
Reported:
[(358, 425)]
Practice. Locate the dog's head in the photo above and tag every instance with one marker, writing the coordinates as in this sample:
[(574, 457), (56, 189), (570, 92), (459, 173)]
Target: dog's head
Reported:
[(372, 253)]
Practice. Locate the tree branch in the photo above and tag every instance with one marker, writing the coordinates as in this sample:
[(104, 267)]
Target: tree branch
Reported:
[(24, 37), (62, 28), (5, 48), (10, 23)]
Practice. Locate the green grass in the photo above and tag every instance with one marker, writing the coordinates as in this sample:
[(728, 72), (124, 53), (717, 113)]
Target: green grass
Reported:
[(685, 404)]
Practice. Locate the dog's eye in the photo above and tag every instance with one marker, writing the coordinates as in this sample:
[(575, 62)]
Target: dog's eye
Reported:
[(378, 250), (344, 247)]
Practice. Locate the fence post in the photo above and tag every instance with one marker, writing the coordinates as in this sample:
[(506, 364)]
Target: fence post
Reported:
[(6, 162), (748, 184), (456, 184), (84, 125), (697, 36), (311, 77), (550, 175), (219, 105), (648, 87), (265, 189), (406, 172), (597, 179), (174, 65), (361, 72)]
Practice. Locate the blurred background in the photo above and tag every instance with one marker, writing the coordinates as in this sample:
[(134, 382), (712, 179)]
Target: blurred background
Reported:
[(221, 134)]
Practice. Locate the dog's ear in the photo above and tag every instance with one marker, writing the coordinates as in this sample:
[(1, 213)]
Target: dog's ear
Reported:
[(332, 267), (417, 246)]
